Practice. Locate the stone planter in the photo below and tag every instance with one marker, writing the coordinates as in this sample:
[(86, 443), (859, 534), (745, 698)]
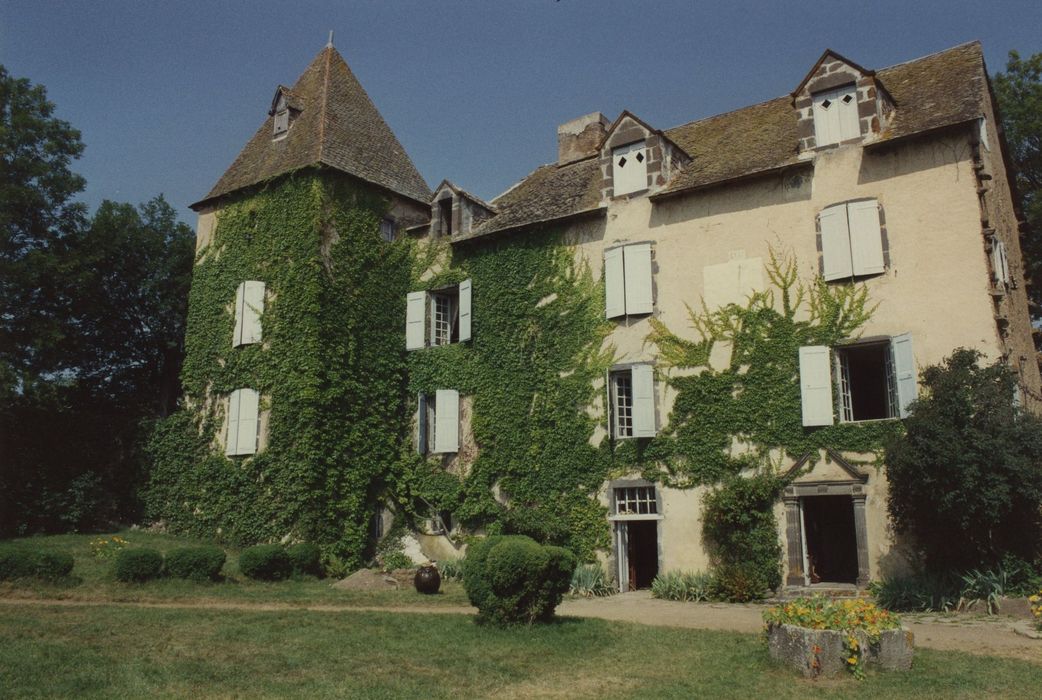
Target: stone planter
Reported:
[(823, 652)]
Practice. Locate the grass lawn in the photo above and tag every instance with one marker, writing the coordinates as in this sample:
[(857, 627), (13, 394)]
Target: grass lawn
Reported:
[(92, 580), (104, 652)]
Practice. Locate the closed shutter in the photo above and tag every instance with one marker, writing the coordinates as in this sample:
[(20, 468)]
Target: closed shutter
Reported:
[(816, 385), (637, 265), (231, 440), (643, 384), (866, 238), (252, 308), (999, 263), (629, 169), (421, 424), (835, 242), (240, 298), (243, 413), (904, 372), (446, 421), (614, 284), (464, 310), (826, 122), (416, 303), (847, 116)]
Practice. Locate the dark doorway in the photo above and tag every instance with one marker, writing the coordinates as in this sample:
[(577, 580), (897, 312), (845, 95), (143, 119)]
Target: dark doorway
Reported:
[(642, 552), (828, 523)]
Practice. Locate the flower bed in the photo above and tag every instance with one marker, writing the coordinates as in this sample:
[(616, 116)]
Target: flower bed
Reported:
[(819, 636), (1035, 602)]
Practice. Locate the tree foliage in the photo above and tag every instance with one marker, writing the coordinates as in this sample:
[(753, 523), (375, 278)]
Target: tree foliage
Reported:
[(966, 477), (1019, 93)]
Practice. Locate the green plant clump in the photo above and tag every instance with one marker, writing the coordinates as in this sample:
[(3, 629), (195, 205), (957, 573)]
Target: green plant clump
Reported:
[(937, 592), (138, 565), (590, 581), (512, 579), (265, 562), (306, 559), (195, 563), (695, 587), (19, 563)]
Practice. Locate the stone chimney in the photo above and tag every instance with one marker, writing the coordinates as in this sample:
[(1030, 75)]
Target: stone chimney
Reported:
[(580, 138)]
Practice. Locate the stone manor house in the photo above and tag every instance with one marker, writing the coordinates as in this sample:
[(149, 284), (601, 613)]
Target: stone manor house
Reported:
[(893, 178)]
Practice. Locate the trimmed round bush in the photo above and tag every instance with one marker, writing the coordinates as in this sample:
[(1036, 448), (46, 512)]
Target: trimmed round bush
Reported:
[(195, 563), (512, 579), (305, 558), (26, 563), (265, 562), (138, 564)]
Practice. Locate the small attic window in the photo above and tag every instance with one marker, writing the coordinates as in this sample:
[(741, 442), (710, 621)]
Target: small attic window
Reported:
[(836, 115), (281, 117)]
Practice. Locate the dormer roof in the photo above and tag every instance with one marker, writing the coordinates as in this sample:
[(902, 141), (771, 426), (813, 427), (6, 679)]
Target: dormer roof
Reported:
[(828, 56), (292, 100), (337, 127)]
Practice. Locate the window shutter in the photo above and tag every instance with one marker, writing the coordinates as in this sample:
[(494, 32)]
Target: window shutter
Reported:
[(415, 305), (240, 297), (816, 385), (252, 308), (421, 424), (826, 126), (231, 440), (846, 401), (999, 263), (614, 284), (464, 309), (446, 421), (835, 242), (629, 169), (643, 383), (637, 266), (847, 114), (609, 405), (866, 238), (249, 405), (904, 372)]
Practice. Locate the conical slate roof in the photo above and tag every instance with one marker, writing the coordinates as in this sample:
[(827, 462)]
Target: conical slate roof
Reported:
[(337, 126)]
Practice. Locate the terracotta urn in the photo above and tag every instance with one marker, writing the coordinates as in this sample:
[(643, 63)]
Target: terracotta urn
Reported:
[(427, 579)]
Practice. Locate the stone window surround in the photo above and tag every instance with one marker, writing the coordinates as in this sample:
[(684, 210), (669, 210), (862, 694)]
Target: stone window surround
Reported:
[(633, 483), (794, 525), (663, 158), (873, 103)]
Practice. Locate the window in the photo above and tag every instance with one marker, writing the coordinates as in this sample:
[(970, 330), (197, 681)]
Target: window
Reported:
[(835, 115), (999, 263), (437, 421), (438, 317), (873, 379), (281, 122), (851, 240), (635, 500), (249, 305), (388, 229), (445, 216), (629, 168), (243, 423), (627, 281), (631, 402)]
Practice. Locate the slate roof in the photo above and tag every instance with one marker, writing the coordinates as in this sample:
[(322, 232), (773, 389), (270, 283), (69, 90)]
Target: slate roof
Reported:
[(933, 92), (338, 127)]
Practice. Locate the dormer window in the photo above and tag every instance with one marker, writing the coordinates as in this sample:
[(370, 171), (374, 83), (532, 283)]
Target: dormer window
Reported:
[(281, 116), (630, 168), (836, 115)]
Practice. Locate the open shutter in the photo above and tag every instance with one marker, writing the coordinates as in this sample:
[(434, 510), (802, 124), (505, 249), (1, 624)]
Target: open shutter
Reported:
[(421, 424), (464, 310), (252, 308), (904, 372), (637, 264), (240, 297), (231, 440), (643, 384), (835, 242), (866, 238), (999, 263), (614, 284), (446, 421), (415, 305), (249, 405), (816, 385)]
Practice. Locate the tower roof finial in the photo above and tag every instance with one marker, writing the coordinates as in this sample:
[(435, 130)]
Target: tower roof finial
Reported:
[(329, 44)]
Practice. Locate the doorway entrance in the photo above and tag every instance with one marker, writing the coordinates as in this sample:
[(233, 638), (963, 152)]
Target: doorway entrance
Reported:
[(831, 539), (636, 553)]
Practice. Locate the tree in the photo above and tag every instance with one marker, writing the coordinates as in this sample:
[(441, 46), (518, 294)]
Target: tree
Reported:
[(1019, 93), (966, 477), (37, 214)]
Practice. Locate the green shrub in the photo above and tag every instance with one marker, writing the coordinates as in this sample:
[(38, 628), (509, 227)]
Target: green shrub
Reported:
[(917, 592), (195, 563), (397, 560), (139, 564), (451, 569), (589, 581), (512, 579), (27, 563), (695, 587), (265, 562), (306, 559)]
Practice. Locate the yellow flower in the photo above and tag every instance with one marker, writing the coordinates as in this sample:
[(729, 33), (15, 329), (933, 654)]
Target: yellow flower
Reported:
[(852, 661)]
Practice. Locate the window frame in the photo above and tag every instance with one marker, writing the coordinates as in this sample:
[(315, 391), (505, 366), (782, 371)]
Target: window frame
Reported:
[(852, 240), (845, 120), (636, 178), (629, 279), (639, 379), (423, 326)]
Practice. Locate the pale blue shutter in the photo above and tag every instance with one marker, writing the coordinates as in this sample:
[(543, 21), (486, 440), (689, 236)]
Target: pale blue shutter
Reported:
[(835, 242), (240, 297), (637, 265), (415, 305), (421, 424), (866, 238), (816, 385), (446, 421), (904, 372), (249, 409), (614, 284), (643, 385), (231, 440), (464, 309), (252, 308)]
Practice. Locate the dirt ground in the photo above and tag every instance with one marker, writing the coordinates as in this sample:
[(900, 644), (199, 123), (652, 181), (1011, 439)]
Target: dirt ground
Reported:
[(975, 634)]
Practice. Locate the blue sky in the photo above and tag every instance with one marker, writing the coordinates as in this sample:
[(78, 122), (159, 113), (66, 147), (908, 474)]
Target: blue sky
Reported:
[(166, 94)]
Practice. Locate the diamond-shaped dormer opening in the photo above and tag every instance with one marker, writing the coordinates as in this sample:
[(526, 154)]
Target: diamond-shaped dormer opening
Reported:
[(622, 162), (826, 104), (640, 157), (847, 98)]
